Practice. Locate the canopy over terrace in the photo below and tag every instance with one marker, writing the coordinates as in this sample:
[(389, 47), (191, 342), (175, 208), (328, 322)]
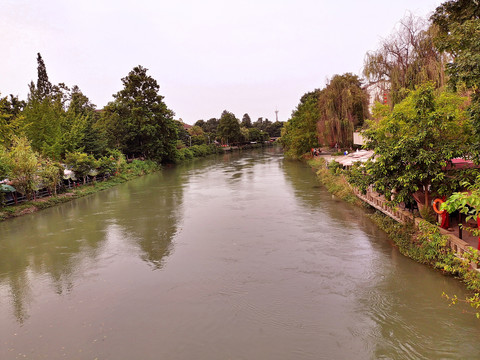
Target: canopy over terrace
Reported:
[(357, 156)]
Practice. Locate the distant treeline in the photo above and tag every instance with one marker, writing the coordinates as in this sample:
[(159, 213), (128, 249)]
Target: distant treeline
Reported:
[(58, 127)]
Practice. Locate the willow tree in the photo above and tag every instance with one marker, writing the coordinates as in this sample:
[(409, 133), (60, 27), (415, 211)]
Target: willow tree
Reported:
[(342, 105), (407, 58)]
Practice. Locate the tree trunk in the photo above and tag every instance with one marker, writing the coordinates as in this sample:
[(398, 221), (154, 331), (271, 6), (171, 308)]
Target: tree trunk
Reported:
[(427, 198)]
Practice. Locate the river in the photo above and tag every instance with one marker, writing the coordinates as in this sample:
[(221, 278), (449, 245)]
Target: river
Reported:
[(240, 256)]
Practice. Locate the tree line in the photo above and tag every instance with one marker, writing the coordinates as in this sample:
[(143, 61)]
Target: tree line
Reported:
[(58, 124)]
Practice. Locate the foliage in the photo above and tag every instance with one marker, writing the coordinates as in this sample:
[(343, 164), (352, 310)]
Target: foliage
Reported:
[(334, 167), (274, 129), (380, 111), (44, 86), (139, 122), (41, 123), (335, 182), (458, 22), (229, 128), (415, 143), (254, 134), (6, 126), (118, 158), (299, 134), (24, 166), (343, 105), (139, 167), (466, 202), (211, 126), (136, 168), (327, 116), (50, 174), (246, 121), (5, 163), (357, 176), (81, 164), (406, 59), (196, 151), (197, 135)]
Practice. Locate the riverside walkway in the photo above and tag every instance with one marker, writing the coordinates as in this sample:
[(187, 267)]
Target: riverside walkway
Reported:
[(458, 246)]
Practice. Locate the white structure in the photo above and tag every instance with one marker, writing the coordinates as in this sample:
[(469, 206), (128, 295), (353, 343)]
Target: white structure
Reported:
[(357, 156), (358, 138)]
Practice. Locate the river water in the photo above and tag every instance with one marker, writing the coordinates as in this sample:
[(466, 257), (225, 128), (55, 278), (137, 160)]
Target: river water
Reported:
[(241, 256)]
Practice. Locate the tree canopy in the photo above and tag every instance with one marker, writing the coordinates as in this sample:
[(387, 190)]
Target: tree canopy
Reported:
[(343, 105), (407, 58), (228, 128), (139, 121), (299, 134), (415, 143)]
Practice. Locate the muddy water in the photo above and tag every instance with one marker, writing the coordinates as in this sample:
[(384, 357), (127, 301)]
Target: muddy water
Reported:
[(241, 256)]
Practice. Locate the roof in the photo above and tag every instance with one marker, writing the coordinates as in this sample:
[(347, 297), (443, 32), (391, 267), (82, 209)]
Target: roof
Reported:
[(357, 156)]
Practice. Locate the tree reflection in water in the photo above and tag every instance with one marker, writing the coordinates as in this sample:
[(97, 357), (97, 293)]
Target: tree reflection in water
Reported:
[(55, 246)]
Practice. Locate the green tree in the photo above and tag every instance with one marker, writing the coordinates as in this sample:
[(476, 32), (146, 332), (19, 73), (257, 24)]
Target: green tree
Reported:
[(275, 129), (198, 135), (182, 133), (139, 119), (44, 86), (343, 105), (229, 128), (51, 173), (255, 134), (415, 143), (299, 134), (211, 126), (5, 163), (80, 130), (24, 166), (6, 128), (200, 123), (459, 35), (41, 120), (246, 121), (82, 164)]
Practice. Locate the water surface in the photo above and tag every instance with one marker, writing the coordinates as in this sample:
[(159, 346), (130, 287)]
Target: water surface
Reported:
[(242, 256)]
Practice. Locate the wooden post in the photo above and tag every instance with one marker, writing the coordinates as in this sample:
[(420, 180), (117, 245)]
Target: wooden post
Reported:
[(460, 225)]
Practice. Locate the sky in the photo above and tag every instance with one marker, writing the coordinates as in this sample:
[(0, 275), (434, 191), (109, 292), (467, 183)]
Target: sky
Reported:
[(249, 56)]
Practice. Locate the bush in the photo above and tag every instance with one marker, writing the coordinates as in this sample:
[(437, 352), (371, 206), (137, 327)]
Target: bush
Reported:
[(139, 167), (195, 151), (334, 167), (81, 163)]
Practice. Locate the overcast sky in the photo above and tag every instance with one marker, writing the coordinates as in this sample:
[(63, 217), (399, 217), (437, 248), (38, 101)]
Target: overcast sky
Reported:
[(249, 56)]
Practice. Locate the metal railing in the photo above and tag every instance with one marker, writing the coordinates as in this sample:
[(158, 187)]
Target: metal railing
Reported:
[(14, 198)]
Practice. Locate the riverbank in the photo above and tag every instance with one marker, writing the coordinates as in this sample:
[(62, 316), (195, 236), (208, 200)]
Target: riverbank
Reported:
[(131, 171), (422, 242)]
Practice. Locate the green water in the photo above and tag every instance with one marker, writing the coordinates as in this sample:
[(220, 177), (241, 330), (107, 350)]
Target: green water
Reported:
[(242, 256)]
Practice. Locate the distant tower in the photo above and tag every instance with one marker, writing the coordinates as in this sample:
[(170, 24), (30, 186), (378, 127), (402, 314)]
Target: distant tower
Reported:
[(276, 114)]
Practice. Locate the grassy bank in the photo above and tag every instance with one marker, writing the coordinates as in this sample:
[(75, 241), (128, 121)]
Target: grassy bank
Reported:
[(335, 184), (135, 169), (423, 243)]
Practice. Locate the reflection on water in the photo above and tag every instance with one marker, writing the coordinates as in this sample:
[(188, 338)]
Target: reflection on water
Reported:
[(239, 256), (54, 246)]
